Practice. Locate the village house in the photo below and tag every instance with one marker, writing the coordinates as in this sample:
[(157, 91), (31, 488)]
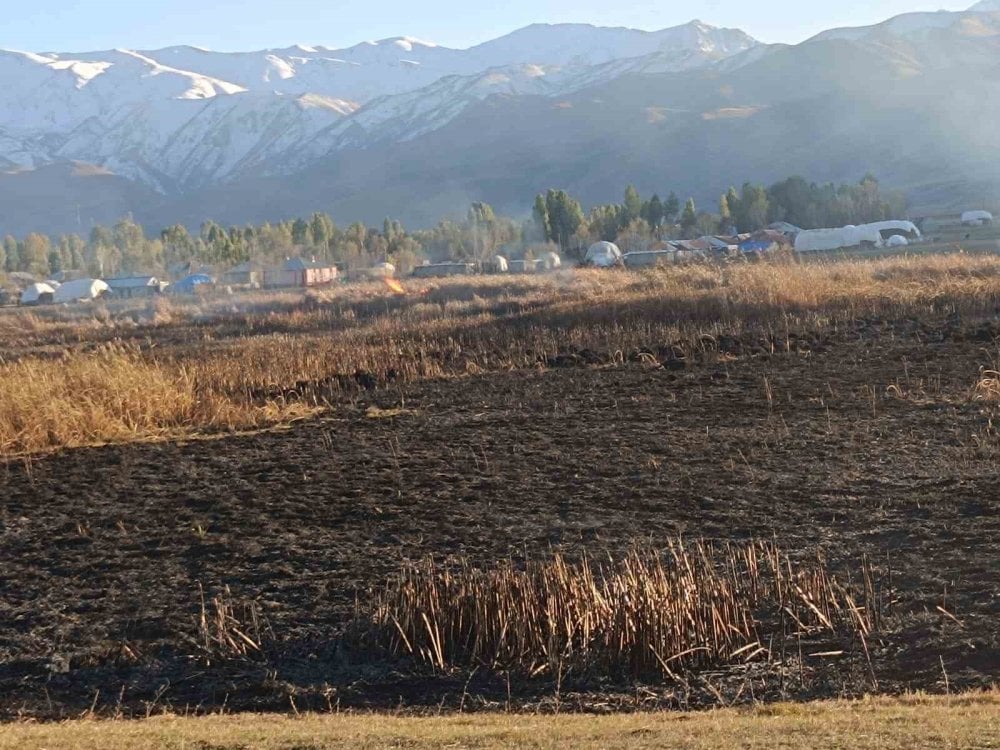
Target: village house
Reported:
[(131, 287), (246, 274), (299, 272)]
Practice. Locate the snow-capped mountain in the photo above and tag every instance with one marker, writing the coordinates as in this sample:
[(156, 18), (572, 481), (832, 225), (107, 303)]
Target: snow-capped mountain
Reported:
[(182, 117), (186, 134)]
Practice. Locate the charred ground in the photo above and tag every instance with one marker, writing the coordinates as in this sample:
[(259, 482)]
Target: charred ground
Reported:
[(850, 439)]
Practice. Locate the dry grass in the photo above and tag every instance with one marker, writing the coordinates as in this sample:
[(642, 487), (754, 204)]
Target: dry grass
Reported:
[(987, 388), (909, 723), (113, 394), (644, 615), (238, 362)]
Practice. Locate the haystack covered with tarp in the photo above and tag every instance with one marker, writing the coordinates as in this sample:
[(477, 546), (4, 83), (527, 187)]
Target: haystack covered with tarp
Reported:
[(193, 284), (818, 240), (603, 255), (893, 227), (977, 217), (38, 293), (80, 290)]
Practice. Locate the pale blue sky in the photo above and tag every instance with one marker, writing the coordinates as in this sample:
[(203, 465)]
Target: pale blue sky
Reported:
[(42, 25)]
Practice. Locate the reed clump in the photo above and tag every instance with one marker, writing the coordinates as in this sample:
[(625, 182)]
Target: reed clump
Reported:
[(648, 613)]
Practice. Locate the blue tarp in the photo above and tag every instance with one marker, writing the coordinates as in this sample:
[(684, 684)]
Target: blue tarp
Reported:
[(755, 246), (188, 284)]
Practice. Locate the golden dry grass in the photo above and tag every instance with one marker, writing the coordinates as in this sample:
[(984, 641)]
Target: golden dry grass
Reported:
[(239, 362), (915, 722), (113, 394)]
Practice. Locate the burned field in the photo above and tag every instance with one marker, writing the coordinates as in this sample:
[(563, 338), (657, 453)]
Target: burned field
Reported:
[(866, 441)]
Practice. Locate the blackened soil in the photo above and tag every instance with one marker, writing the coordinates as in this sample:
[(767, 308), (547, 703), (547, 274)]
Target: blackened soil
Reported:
[(870, 446)]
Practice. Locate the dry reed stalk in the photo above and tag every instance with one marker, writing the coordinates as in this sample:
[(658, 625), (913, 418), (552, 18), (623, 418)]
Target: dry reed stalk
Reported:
[(696, 605), (230, 629)]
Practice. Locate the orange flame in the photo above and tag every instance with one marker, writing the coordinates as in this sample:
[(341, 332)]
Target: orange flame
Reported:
[(394, 286)]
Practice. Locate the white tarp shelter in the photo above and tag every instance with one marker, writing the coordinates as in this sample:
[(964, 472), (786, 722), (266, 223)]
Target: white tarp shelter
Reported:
[(603, 254), (80, 289), (977, 217), (551, 260), (36, 294), (816, 240), (897, 226), (897, 240)]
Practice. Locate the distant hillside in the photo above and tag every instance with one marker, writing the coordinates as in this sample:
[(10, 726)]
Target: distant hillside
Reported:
[(68, 197)]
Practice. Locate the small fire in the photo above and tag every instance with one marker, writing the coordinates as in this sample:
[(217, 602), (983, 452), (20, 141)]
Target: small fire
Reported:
[(394, 286)]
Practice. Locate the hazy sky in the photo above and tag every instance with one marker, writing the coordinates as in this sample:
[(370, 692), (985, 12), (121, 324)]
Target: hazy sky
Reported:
[(41, 25)]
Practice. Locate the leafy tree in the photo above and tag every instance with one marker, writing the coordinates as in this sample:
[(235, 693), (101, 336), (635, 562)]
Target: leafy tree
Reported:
[(276, 240), (300, 232), (809, 205), (689, 219), (481, 213), (178, 245), (35, 254), (55, 261), (540, 214), (653, 212), (753, 208), (130, 241), (632, 205), (725, 215), (706, 224), (482, 224), (605, 222), (565, 216), (322, 230), (101, 235), (632, 235), (71, 247), (670, 208), (733, 208), (12, 256)]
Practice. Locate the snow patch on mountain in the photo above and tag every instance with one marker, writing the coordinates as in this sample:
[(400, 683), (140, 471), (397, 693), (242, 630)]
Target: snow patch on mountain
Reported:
[(183, 117), (202, 87)]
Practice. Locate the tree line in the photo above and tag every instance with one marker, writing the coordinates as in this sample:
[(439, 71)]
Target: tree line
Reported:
[(557, 221)]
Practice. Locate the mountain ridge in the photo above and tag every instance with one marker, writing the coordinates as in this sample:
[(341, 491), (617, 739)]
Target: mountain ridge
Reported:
[(284, 122)]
